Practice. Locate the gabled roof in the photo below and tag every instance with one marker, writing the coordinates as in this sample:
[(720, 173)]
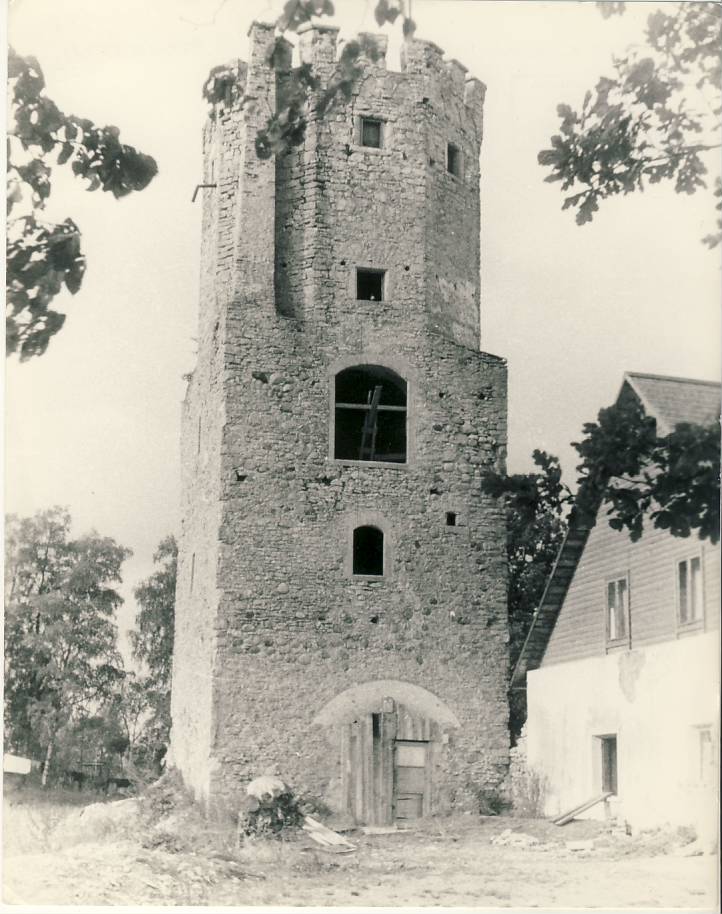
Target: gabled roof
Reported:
[(675, 400), (670, 401)]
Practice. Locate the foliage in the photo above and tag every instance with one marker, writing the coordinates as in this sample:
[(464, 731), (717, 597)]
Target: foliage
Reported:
[(672, 480), (535, 507), (491, 802), (44, 258), (60, 635), (301, 95), (152, 644), (652, 120), (153, 640)]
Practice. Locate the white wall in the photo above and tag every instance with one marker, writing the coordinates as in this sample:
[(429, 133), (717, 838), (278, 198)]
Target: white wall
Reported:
[(653, 699)]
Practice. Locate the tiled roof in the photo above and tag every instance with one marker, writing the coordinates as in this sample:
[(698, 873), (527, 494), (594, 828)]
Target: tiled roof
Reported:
[(674, 400), (670, 401)]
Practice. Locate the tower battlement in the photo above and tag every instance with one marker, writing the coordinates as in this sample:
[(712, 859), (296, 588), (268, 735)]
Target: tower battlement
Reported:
[(422, 63)]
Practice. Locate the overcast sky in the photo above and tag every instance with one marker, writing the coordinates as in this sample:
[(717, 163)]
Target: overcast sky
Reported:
[(94, 424)]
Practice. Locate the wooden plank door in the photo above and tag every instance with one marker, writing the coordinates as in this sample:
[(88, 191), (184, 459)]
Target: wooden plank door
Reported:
[(411, 766), (367, 747), (367, 751)]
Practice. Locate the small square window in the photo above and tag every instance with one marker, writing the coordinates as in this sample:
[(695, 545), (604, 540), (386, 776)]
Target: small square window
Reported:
[(371, 132), (690, 598), (453, 160), (450, 518), (370, 285)]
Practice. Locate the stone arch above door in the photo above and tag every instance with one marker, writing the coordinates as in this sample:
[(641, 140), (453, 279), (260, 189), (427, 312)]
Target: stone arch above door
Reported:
[(368, 697)]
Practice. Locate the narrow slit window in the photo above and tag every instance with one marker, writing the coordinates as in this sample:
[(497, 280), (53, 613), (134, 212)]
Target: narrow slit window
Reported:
[(370, 415), (368, 551), (370, 285), (617, 609), (371, 132), (453, 160)]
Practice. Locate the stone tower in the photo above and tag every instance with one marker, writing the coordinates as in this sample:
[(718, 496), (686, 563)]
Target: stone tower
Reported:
[(341, 604)]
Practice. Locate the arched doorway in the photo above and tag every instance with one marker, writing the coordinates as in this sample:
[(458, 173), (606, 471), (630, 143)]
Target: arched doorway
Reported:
[(391, 734)]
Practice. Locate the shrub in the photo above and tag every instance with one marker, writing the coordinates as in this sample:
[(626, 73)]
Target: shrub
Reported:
[(491, 802), (271, 808)]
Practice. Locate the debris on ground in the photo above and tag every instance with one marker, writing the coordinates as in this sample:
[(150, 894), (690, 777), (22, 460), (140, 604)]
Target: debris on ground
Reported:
[(509, 838), (440, 862), (579, 845), (384, 830)]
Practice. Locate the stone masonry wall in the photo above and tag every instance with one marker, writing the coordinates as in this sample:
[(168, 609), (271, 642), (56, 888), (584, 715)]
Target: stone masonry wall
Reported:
[(288, 627)]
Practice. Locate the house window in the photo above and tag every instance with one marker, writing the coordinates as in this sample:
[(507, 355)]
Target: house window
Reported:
[(370, 415), (370, 285), (617, 609), (705, 756), (368, 551), (371, 132), (609, 764), (453, 160), (689, 590)]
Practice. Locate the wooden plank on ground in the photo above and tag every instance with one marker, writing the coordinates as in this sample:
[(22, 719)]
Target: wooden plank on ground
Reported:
[(583, 807), (325, 836)]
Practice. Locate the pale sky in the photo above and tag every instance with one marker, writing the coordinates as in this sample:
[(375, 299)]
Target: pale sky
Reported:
[(94, 423)]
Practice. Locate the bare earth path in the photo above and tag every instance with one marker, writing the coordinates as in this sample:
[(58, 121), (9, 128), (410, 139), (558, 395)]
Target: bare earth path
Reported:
[(450, 864)]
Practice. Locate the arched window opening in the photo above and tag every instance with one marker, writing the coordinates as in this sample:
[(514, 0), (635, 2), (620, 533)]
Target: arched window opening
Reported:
[(368, 551), (370, 407)]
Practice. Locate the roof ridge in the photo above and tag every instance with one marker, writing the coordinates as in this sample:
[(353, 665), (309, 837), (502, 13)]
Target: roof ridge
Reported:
[(666, 377)]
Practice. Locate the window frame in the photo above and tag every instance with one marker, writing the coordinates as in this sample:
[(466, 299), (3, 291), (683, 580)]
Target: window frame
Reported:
[(698, 621), (357, 134), (625, 639), (371, 271), (704, 775), (609, 773), (365, 119), (400, 368)]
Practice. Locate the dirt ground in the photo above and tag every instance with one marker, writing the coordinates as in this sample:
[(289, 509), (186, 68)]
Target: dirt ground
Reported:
[(110, 858)]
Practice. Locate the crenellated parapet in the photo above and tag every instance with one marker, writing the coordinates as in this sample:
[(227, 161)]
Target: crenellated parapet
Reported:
[(422, 62)]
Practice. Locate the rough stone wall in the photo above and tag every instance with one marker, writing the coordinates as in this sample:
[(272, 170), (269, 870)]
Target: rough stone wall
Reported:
[(202, 422), (340, 205), (292, 628)]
